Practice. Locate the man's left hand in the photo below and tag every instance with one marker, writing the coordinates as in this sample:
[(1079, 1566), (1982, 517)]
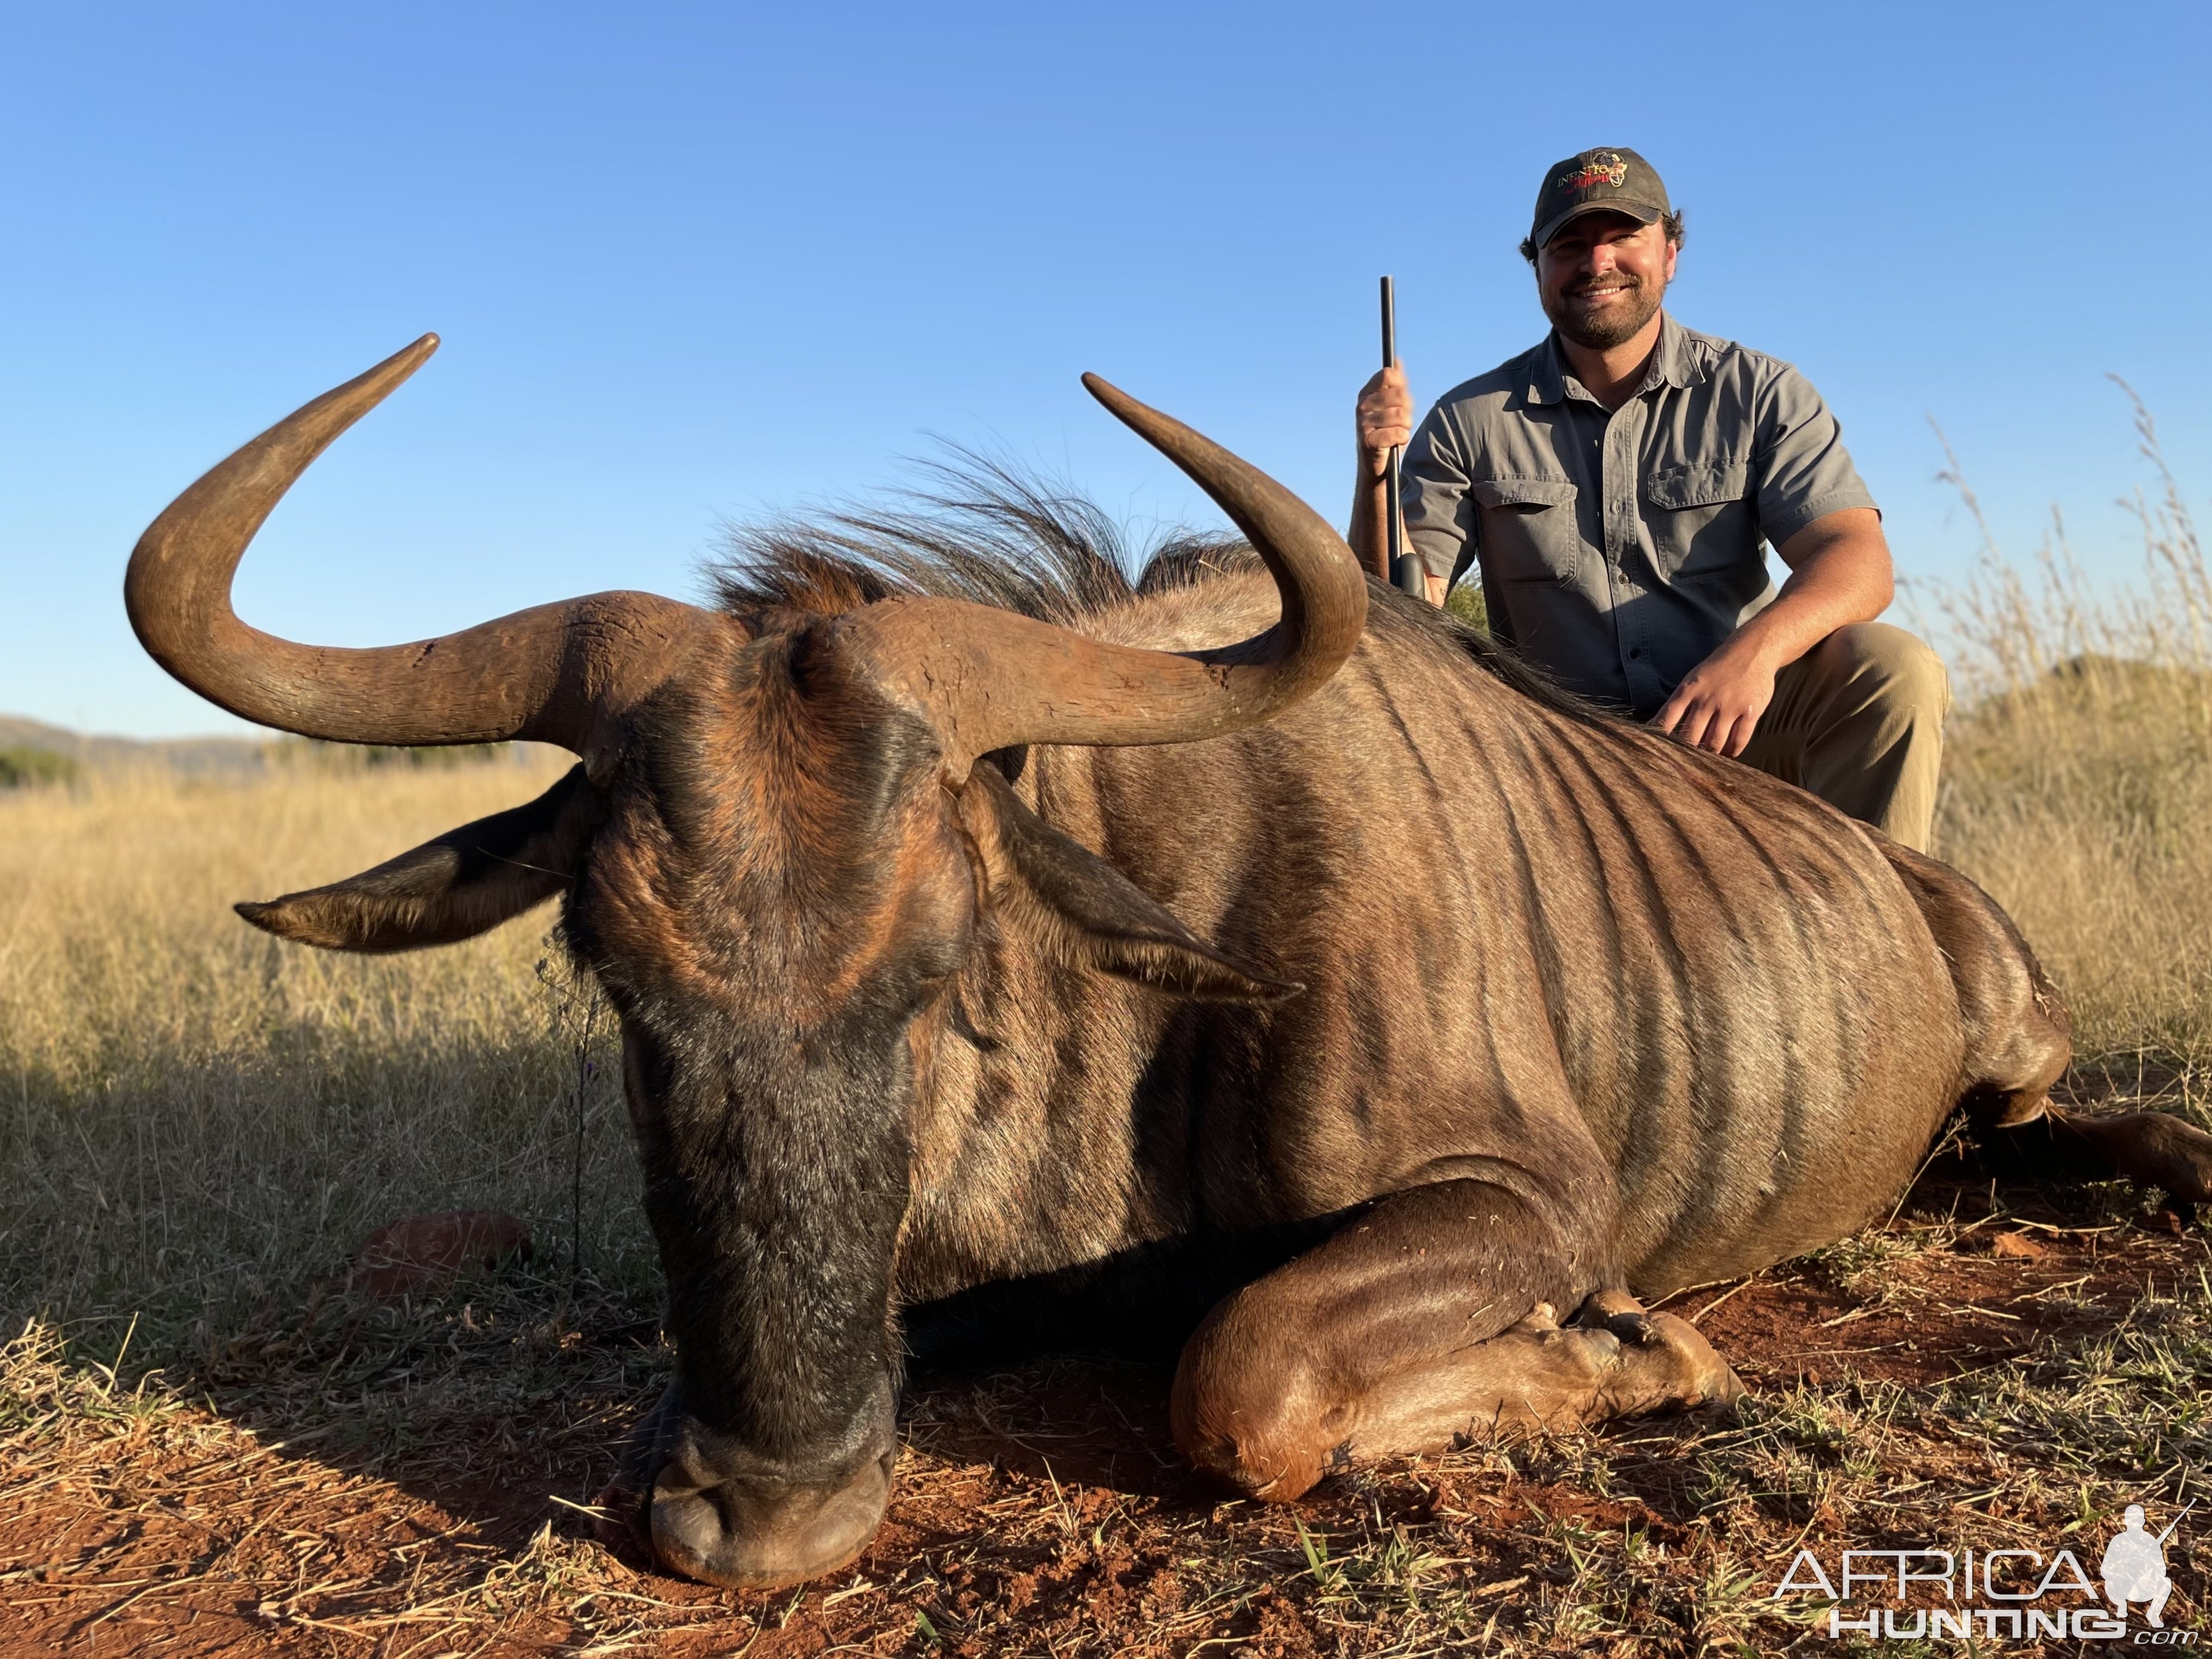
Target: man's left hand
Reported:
[(1718, 705), (1839, 574)]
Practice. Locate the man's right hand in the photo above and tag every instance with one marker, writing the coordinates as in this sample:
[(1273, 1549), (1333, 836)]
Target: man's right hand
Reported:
[(1385, 418)]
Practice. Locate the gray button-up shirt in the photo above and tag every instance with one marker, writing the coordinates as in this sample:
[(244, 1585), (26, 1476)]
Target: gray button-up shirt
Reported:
[(1618, 548)]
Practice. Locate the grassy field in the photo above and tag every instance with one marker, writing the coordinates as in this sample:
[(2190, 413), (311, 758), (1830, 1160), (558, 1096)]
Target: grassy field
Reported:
[(2079, 787), (199, 1119), (204, 1439)]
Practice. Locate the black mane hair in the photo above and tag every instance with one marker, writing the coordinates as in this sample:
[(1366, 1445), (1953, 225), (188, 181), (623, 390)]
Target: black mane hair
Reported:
[(984, 530)]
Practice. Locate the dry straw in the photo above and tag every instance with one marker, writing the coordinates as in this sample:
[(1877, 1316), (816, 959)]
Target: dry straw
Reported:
[(2078, 784)]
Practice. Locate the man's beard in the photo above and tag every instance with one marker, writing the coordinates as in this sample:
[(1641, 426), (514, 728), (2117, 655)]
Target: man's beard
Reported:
[(1617, 324)]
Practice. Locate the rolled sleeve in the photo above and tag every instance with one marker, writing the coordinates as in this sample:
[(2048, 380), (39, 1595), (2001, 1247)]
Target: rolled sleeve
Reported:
[(1802, 470), (1433, 494)]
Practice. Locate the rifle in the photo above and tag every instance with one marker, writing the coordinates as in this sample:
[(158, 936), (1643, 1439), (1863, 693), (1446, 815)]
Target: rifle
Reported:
[(2176, 1522), (1407, 571)]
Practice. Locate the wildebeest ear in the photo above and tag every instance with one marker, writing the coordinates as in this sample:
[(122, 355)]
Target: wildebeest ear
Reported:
[(468, 880), (1088, 912)]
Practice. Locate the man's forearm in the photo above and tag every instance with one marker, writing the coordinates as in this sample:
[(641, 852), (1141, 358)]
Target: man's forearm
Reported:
[(1840, 575), (1370, 537), (1807, 610)]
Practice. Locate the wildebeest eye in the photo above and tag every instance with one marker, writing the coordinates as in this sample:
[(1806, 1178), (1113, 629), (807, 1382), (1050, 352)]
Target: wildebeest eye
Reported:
[(1087, 912), (936, 960)]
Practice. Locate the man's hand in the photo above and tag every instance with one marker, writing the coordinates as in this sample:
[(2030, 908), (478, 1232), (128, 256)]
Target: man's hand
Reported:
[(1383, 422), (1385, 418), (1717, 707), (1839, 574)]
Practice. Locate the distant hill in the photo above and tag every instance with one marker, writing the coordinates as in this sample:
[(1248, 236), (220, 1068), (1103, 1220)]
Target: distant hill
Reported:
[(22, 739), (188, 757)]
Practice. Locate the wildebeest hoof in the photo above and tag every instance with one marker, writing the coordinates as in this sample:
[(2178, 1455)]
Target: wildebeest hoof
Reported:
[(1618, 1312), (2156, 1148), (1663, 1362), (2168, 1153), (1688, 1373)]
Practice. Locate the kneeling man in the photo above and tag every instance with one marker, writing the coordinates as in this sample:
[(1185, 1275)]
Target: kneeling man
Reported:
[(1616, 484)]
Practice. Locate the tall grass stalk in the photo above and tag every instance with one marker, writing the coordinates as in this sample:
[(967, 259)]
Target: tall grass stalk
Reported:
[(2078, 780), (582, 1023)]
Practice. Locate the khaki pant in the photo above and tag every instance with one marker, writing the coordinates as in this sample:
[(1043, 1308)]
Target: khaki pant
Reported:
[(1858, 720)]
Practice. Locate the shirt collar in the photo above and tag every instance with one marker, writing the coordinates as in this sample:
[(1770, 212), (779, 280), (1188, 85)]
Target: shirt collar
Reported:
[(1547, 372), (1673, 362)]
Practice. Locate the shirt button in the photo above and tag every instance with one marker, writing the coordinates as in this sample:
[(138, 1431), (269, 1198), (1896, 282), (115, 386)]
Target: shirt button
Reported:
[(1637, 651)]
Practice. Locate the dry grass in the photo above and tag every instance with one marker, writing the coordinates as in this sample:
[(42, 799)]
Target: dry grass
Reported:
[(2078, 786), (196, 1119), (203, 1436)]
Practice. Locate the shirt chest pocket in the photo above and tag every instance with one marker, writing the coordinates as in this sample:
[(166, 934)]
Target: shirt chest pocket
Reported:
[(1529, 529), (1701, 517)]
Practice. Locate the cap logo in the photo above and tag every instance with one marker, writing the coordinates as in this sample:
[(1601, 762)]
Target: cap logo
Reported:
[(1601, 170)]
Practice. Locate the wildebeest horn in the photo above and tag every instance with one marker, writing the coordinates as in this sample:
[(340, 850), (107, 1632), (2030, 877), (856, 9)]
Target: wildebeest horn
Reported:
[(556, 673), (990, 679)]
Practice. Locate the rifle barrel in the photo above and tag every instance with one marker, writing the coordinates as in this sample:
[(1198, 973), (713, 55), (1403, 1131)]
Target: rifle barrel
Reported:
[(2176, 1522), (1406, 572)]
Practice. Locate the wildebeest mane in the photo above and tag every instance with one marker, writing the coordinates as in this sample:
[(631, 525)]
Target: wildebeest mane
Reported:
[(986, 531)]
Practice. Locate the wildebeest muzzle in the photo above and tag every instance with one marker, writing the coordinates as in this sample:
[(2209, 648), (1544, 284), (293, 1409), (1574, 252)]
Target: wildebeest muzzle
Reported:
[(709, 1507)]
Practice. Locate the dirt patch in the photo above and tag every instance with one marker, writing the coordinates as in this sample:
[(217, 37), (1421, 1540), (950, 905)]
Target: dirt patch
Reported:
[(364, 1485), (426, 1252), (1945, 1314)]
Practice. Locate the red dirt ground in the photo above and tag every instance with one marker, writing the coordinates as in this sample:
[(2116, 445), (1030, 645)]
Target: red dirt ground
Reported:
[(1040, 1512)]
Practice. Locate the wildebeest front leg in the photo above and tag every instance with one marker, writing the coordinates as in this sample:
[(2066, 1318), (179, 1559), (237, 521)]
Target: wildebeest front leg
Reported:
[(1429, 1319)]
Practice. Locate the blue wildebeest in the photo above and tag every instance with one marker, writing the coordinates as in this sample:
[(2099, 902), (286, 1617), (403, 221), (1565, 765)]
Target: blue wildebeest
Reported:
[(988, 945)]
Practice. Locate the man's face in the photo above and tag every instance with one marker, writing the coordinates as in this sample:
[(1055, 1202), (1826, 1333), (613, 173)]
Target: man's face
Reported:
[(1602, 277)]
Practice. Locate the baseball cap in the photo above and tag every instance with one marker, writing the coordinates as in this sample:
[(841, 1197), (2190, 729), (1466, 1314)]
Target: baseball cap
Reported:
[(1598, 181)]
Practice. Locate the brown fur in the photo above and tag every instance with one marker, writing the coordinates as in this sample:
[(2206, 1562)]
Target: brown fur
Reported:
[(1584, 1016)]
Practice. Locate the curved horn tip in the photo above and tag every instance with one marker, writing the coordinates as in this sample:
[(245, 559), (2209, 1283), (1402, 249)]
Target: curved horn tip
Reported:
[(385, 378), (414, 354), (1160, 430), (1106, 391)]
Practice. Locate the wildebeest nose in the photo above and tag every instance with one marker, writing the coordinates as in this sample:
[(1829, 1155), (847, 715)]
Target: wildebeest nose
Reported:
[(751, 1534), (721, 1512)]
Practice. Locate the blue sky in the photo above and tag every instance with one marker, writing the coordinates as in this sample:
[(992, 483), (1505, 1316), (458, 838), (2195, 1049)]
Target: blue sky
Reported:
[(695, 262)]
